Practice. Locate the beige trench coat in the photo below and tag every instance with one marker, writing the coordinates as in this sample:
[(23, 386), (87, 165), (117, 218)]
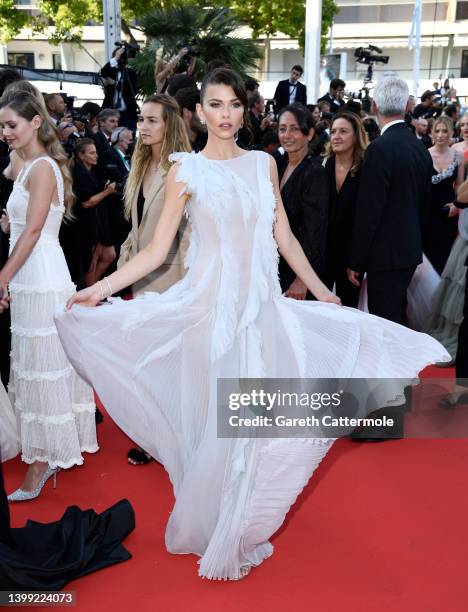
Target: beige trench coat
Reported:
[(139, 237)]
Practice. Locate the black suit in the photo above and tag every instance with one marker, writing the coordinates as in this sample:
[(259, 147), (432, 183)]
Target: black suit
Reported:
[(113, 169), (387, 242), (305, 199), (335, 105), (342, 211), (426, 140), (102, 143), (282, 94), (129, 90)]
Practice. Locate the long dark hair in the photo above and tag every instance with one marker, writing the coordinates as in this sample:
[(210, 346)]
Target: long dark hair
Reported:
[(230, 78), (303, 116)]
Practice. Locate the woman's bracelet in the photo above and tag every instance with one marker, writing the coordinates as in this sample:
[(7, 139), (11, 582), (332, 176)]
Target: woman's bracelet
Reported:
[(101, 290), (108, 285)]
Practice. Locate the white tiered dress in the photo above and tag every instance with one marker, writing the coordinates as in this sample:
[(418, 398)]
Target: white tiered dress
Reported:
[(155, 362), (55, 409)]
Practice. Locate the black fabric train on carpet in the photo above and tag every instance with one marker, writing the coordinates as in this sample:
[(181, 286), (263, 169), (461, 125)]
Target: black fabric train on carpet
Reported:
[(45, 556)]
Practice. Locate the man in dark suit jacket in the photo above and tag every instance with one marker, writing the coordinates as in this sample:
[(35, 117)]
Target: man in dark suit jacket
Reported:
[(335, 94), (395, 186), (108, 121), (115, 168), (121, 88), (290, 90)]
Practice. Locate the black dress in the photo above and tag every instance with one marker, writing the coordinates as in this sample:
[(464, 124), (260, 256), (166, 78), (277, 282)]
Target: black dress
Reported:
[(45, 556), (305, 199), (342, 211), (440, 230), (91, 225)]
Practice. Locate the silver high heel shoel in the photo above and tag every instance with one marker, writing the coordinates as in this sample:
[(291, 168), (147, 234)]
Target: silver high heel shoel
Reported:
[(21, 495)]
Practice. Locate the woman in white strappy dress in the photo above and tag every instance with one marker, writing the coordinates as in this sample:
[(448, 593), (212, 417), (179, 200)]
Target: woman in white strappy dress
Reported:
[(53, 406)]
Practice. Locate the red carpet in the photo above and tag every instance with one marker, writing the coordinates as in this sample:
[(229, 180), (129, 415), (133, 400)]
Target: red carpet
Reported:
[(381, 528)]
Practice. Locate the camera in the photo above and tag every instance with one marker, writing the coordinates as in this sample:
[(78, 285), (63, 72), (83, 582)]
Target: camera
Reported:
[(131, 49), (364, 55), (192, 51), (77, 115)]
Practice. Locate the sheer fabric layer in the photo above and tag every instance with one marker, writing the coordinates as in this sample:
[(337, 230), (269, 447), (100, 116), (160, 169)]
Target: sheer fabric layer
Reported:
[(227, 318)]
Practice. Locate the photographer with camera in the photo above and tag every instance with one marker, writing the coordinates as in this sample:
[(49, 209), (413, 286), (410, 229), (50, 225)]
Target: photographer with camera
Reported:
[(121, 85), (68, 135), (335, 95), (426, 107), (115, 166)]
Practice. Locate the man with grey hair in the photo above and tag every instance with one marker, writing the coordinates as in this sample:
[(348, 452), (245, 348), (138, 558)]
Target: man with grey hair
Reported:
[(395, 186)]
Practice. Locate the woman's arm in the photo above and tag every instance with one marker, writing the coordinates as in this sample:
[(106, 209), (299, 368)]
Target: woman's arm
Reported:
[(99, 197), (291, 250), (152, 256), (191, 66), (461, 169), (42, 186), (462, 195), (161, 76)]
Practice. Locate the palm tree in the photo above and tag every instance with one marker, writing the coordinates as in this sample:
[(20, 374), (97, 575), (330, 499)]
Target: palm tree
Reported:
[(210, 30)]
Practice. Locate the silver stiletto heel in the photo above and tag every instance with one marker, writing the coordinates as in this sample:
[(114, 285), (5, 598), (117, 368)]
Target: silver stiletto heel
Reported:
[(21, 495)]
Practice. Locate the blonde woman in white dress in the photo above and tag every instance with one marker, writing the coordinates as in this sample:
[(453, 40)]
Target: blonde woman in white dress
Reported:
[(53, 406), (157, 371)]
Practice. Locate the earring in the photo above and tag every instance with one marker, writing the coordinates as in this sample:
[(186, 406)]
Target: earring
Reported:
[(202, 121)]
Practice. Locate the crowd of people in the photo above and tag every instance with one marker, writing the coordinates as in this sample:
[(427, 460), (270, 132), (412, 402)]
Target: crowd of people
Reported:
[(372, 215)]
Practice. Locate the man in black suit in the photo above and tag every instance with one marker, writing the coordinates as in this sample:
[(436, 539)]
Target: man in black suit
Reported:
[(335, 94), (115, 167), (290, 90), (108, 121), (421, 128), (395, 186), (121, 88), (260, 123)]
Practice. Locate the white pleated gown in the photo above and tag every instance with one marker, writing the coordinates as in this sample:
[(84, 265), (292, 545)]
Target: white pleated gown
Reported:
[(55, 409), (155, 360)]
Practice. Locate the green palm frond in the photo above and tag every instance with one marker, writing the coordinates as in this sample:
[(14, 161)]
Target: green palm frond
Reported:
[(210, 30)]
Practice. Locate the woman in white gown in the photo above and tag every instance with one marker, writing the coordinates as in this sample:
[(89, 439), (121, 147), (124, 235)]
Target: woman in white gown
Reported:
[(53, 406), (155, 361)]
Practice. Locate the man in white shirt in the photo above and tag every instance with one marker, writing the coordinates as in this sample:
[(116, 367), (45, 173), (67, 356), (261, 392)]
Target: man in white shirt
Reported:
[(290, 90)]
